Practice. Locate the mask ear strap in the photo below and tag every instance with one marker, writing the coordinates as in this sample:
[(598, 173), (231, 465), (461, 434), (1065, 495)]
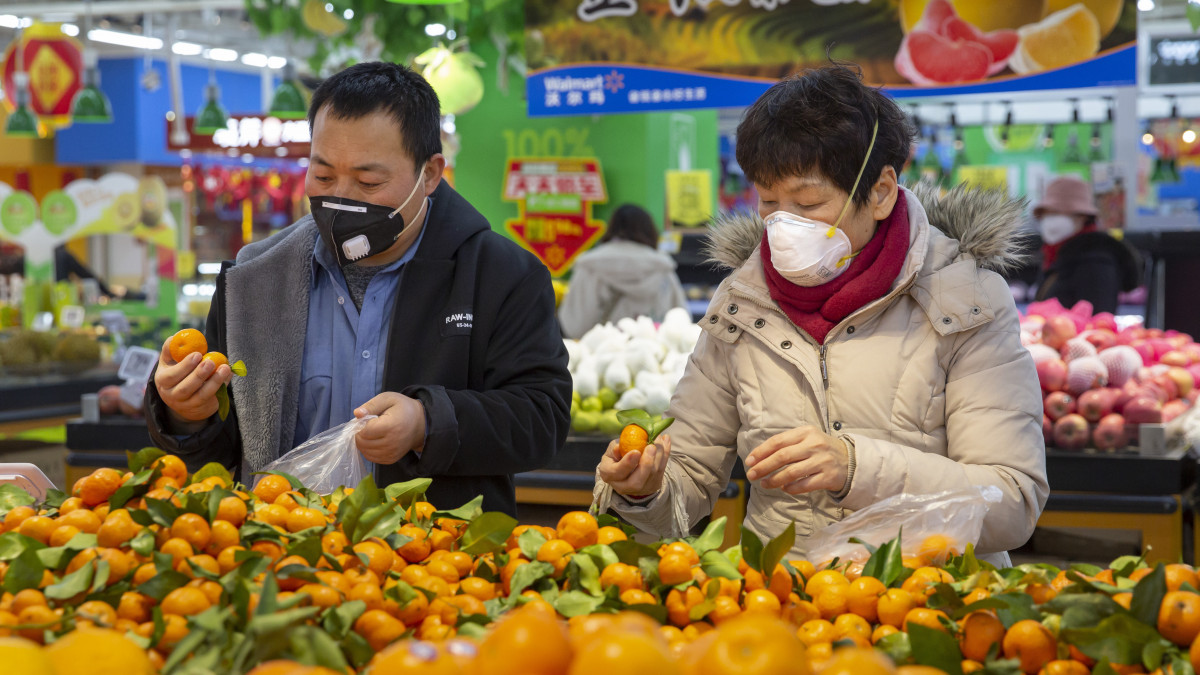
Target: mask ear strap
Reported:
[(420, 181), (861, 170)]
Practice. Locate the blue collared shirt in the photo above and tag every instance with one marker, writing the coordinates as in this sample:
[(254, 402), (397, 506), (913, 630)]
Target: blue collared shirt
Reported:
[(345, 349)]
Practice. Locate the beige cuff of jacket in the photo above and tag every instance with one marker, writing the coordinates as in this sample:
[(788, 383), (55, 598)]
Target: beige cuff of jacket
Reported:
[(852, 463)]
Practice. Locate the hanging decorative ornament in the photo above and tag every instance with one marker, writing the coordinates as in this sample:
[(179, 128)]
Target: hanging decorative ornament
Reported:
[(54, 63), (454, 76)]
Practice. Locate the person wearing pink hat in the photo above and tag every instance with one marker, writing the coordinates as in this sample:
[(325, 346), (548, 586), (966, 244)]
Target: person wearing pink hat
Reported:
[(1080, 261)]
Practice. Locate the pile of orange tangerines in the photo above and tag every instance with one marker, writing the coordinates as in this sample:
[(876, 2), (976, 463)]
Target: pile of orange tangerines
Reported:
[(155, 570)]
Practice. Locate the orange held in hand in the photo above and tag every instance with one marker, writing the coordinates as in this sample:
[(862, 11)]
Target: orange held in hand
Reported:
[(187, 341), (633, 438), (218, 359)]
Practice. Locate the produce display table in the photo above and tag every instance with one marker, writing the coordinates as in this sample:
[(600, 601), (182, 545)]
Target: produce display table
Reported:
[(47, 400), (92, 445), (1089, 490), (1124, 492)]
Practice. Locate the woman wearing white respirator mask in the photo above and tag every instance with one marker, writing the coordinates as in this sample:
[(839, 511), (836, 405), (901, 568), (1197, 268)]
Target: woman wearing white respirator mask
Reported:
[(1079, 261), (863, 345)]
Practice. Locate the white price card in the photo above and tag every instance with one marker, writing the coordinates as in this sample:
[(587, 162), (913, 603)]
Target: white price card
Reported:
[(139, 362), (71, 316)]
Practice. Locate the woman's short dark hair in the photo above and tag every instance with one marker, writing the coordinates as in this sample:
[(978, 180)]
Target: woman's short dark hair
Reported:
[(819, 122), (632, 223), (366, 88)]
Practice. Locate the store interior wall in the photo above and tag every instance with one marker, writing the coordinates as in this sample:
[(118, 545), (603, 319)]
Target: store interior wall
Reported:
[(138, 132), (634, 151)]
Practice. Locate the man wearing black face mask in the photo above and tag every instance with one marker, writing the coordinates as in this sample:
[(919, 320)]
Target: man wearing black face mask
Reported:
[(394, 298)]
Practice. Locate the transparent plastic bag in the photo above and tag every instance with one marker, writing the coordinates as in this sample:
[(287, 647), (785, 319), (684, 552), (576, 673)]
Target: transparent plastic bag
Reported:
[(955, 517), (328, 460)]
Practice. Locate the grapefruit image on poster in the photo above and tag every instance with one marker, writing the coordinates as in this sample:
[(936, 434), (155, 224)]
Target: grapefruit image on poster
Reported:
[(596, 56)]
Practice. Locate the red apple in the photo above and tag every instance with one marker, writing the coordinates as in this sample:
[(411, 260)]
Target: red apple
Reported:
[(1047, 430), (1101, 338), (109, 398), (1041, 352), (1058, 404), (1071, 432), (1126, 336), (1155, 333), (1168, 385), (1161, 346), (1144, 410), (1104, 321), (1122, 362), (1184, 380), (1094, 404), (1110, 433), (1086, 373), (1057, 331), (1129, 391), (1175, 358), (1173, 409), (1077, 348), (1052, 374), (1144, 350), (1193, 353), (1194, 369)]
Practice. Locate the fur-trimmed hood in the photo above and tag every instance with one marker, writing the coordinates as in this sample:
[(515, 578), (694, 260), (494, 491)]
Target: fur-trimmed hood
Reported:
[(985, 223)]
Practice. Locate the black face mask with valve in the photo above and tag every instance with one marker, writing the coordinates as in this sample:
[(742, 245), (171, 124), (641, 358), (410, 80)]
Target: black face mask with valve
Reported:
[(355, 230)]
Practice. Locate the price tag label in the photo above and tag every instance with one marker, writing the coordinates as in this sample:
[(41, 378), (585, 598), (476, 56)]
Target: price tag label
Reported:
[(71, 316), (139, 362), (115, 321), (133, 393)]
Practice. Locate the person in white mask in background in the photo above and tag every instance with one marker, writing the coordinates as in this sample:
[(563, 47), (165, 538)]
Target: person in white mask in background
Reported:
[(1079, 260), (863, 345)]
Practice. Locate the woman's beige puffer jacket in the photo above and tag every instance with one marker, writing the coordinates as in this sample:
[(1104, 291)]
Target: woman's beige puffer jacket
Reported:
[(930, 383)]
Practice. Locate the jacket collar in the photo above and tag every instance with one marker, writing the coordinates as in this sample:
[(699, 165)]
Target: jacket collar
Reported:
[(941, 277), (452, 221)]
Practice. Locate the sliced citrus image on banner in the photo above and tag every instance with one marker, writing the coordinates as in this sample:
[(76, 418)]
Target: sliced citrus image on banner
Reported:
[(986, 15), (1061, 39)]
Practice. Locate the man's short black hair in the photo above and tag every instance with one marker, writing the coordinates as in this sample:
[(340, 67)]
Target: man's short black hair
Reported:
[(819, 123), (366, 88)]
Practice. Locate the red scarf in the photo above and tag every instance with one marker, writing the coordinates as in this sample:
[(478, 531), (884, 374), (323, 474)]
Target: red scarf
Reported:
[(1050, 251), (817, 309)]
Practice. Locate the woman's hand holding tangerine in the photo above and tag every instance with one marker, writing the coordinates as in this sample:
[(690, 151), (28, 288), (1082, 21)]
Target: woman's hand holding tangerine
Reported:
[(398, 429), (637, 473), (189, 387), (801, 460)]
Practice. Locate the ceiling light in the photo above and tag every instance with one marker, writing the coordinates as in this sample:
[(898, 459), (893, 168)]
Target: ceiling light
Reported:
[(348, 14), (13, 21), (254, 59), (69, 29), (220, 54), (289, 103), (1145, 5), (212, 116), (276, 62), (187, 49), (435, 29), (113, 37), (451, 34), (1189, 136)]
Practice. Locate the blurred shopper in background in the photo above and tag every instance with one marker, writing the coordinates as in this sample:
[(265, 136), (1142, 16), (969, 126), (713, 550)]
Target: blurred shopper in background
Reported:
[(1080, 261), (624, 276)]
